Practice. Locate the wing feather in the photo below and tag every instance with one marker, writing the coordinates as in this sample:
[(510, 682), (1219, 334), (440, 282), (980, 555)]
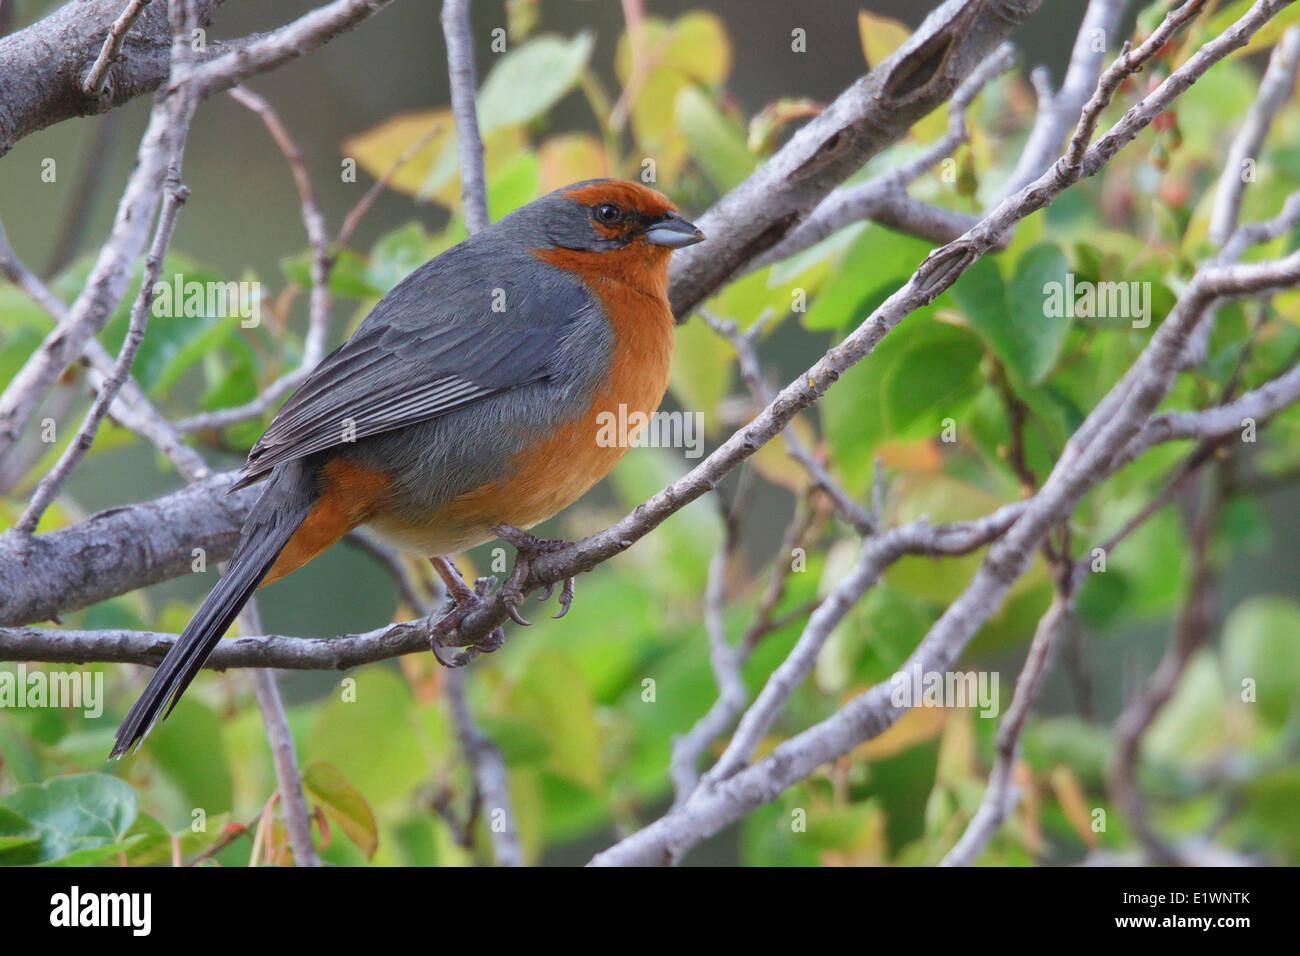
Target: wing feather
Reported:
[(402, 367)]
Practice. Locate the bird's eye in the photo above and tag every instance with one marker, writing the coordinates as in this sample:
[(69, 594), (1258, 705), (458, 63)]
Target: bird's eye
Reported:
[(608, 213)]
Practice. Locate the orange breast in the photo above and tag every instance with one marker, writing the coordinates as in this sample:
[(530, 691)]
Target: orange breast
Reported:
[(632, 288)]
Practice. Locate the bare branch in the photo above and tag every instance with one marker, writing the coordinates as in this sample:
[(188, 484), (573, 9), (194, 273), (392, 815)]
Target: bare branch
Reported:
[(752, 373), (1188, 633), (725, 661), (313, 221), (878, 553), (111, 273), (179, 112), (46, 64), (869, 116), (120, 549), (1058, 112), (93, 85), (884, 199), (274, 49), (936, 274), (131, 408), (1128, 62), (1094, 446), (297, 818), (1274, 91), (489, 771), (50, 485), (999, 798), (464, 107)]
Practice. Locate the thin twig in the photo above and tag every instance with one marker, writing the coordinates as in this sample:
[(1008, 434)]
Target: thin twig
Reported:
[(464, 107), (93, 85), (181, 110)]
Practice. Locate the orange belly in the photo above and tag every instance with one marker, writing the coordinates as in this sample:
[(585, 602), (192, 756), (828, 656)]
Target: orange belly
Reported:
[(554, 474), (546, 478)]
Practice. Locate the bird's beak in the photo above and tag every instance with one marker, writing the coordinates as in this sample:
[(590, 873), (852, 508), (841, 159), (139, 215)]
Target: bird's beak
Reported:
[(673, 231)]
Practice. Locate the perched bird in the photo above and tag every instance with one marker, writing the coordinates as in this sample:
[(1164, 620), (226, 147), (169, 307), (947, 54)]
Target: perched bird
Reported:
[(465, 406)]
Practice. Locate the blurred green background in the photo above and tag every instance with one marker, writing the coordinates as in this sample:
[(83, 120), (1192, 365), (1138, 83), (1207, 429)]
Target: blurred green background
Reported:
[(564, 699)]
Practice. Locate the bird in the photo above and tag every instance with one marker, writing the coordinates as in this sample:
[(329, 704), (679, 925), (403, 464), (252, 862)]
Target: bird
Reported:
[(464, 407)]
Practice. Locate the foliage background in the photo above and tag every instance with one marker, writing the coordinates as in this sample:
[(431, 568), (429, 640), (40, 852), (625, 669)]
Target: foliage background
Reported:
[(587, 753)]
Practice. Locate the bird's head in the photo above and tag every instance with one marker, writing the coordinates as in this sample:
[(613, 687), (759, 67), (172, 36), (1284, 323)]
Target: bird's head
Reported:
[(609, 215)]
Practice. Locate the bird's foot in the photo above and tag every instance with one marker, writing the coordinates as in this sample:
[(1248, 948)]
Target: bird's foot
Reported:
[(529, 546), (462, 600)]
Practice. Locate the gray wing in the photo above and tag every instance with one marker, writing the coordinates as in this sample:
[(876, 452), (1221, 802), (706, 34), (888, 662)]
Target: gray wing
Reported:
[(413, 359)]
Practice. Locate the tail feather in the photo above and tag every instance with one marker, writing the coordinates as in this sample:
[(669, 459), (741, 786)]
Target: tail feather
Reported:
[(282, 507)]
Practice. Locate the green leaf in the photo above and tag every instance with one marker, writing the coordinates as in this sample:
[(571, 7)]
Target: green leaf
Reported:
[(1036, 269), (395, 256), (932, 380), (553, 696), (80, 818), (349, 279), (876, 265), (1013, 319), (515, 184), (716, 142), (189, 749), (19, 841), (532, 78), (1260, 646), (343, 803), (369, 734)]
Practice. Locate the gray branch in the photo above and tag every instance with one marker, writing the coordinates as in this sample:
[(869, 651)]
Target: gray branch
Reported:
[(872, 114), (131, 408), (93, 85), (45, 65), (182, 112), (1059, 111), (884, 199), (297, 818), (464, 106), (109, 277)]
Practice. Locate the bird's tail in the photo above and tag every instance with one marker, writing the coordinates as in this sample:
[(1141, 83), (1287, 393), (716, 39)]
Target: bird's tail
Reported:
[(282, 507)]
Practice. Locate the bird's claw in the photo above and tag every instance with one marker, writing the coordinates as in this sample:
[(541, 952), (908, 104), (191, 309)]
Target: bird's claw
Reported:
[(566, 597), (512, 597), (529, 546), (445, 628)]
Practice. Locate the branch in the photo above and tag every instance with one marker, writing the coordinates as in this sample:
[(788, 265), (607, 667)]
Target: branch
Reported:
[(935, 275), (752, 373), (46, 64), (999, 798), (725, 660), (120, 549), (108, 54), (1274, 92), (878, 553), (1108, 429), (131, 408), (176, 194), (464, 107), (313, 222), (884, 199), (283, 653), (109, 277), (1058, 112), (873, 113), (105, 285), (869, 116), (50, 485), (1188, 633), (297, 818), (489, 771)]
